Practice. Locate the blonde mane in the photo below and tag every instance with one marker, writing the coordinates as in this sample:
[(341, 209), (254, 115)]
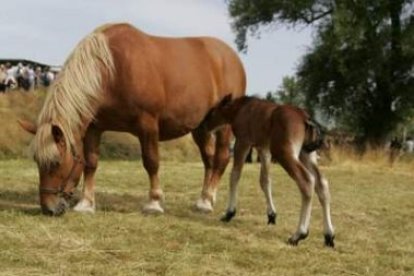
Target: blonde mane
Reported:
[(73, 97)]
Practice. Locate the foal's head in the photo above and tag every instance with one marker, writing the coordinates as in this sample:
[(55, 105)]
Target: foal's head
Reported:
[(224, 112), (60, 165)]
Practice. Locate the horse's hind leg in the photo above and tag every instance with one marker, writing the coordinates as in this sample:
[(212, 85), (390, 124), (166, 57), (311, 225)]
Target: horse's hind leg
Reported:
[(215, 165), (91, 152), (305, 181), (266, 185), (149, 147), (205, 143), (322, 190), (240, 152)]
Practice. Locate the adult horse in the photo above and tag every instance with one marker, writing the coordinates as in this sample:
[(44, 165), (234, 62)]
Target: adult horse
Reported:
[(119, 78)]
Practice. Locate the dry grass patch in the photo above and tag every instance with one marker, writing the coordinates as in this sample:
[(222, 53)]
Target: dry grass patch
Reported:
[(373, 212)]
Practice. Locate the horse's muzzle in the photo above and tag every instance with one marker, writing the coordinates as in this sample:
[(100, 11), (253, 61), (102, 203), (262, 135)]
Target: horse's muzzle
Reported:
[(57, 210)]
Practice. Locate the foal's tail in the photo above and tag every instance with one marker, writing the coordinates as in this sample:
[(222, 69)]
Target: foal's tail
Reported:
[(315, 134)]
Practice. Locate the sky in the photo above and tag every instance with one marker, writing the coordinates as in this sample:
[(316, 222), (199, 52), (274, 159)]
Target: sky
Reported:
[(47, 30)]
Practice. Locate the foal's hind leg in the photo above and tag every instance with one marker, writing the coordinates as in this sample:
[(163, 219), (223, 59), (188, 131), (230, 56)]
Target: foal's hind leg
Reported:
[(266, 185), (215, 166), (322, 190), (305, 181), (240, 152), (91, 152)]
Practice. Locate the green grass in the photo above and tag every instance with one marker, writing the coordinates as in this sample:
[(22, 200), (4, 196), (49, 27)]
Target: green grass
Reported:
[(372, 209)]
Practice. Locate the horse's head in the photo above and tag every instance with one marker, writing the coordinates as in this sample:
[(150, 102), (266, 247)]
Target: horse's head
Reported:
[(60, 165)]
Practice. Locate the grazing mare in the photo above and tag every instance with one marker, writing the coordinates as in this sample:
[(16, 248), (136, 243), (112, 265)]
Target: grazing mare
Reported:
[(121, 79), (283, 133)]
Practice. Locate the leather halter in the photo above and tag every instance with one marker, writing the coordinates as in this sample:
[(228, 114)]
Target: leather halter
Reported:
[(62, 189)]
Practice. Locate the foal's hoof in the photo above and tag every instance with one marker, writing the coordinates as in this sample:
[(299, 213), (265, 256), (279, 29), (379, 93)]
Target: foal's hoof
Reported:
[(295, 239), (84, 206), (271, 218), (228, 216), (329, 240), (153, 207), (204, 206)]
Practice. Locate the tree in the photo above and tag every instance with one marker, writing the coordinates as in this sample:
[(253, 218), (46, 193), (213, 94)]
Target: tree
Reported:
[(290, 92), (359, 69)]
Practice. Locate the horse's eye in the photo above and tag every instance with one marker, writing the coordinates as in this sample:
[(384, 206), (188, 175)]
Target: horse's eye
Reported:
[(54, 166)]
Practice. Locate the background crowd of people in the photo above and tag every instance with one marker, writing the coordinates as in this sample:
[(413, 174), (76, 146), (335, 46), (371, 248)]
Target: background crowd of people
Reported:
[(24, 76)]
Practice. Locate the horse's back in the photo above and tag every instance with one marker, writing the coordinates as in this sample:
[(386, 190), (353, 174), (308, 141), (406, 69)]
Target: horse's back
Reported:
[(176, 79), (186, 59)]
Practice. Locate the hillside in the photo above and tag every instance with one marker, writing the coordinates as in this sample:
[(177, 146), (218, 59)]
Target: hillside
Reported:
[(14, 142)]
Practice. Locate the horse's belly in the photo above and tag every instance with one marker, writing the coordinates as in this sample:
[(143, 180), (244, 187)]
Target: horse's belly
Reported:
[(169, 129)]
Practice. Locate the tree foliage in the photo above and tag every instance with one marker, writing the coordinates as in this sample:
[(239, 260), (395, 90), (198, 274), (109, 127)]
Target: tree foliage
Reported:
[(359, 69), (290, 93)]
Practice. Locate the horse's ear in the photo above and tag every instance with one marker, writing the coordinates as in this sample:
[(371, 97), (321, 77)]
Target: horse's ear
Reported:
[(57, 134), (28, 126), (226, 100)]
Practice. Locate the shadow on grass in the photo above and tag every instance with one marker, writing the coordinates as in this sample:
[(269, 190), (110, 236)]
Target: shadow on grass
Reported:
[(21, 201), (27, 202)]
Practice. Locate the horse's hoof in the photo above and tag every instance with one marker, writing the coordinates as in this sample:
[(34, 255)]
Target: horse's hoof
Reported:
[(271, 218), (204, 206), (153, 207), (84, 206), (329, 240), (295, 240), (228, 216)]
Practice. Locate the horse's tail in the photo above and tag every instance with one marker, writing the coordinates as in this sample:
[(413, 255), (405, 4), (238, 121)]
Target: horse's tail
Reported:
[(314, 137)]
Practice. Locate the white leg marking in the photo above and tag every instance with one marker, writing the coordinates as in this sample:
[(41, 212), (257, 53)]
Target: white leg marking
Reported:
[(153, 207), (265, 182), (85, 206), (204, 205), (306, 209), (296, 148), (324, 199), (234, 181)]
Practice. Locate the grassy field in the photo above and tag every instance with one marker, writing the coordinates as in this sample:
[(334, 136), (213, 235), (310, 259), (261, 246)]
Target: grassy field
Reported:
[(373, 212)]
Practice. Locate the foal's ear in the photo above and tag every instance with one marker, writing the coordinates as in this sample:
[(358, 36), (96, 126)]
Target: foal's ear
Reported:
[(57, 134), (28, 126), (226, 100)]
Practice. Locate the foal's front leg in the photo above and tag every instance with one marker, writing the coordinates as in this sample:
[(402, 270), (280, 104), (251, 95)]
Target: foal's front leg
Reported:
[(91, 153), (240, 152), (266, 185)]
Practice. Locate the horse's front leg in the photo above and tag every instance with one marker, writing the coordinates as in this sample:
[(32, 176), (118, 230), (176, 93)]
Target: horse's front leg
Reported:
[(150, 157), (91, 153)]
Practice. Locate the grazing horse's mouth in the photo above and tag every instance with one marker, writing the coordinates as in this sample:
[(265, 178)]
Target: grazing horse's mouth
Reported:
[(57, 210)]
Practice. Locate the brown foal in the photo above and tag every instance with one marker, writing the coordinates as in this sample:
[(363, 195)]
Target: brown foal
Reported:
[(287, 135)]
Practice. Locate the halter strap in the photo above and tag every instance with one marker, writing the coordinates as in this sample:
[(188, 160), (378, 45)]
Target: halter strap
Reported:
[(62, 188)]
